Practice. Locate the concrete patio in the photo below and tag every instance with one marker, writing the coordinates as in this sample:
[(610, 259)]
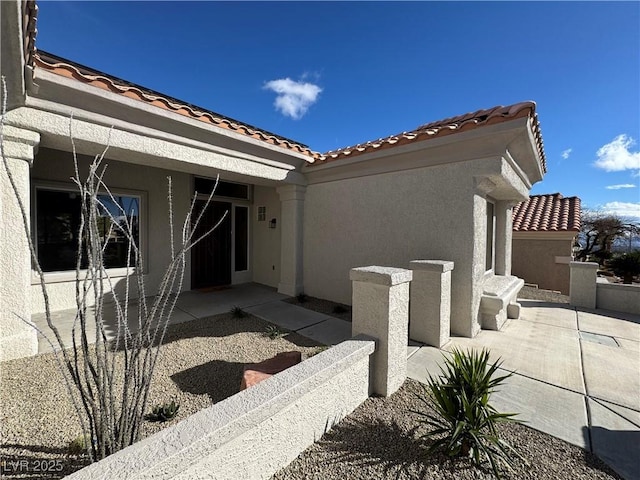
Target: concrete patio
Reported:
[(577, 372)]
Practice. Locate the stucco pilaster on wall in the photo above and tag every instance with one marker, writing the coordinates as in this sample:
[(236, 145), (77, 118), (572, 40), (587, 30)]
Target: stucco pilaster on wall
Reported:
[(17, 339), (504, 231), (291, 218)]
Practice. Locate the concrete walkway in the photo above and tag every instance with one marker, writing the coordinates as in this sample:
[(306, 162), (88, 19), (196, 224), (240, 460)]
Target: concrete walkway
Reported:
[(577, 376), (577, 372)]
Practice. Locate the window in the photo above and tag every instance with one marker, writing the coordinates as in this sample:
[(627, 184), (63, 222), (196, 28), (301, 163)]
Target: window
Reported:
[(241, 238), (58, 224), (224, 189), (491, 235), (262, 214)]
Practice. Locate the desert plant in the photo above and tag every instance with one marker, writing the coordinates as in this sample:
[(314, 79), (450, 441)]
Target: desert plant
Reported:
[(78, 446), (626, 266), (302, 298), (238, 312), (164, 412), (110, 402), (464, 423), (274, 332)]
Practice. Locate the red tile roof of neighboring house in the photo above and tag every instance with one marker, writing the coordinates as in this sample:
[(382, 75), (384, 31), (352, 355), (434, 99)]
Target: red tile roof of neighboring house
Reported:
[(448, 126), (547, 213)]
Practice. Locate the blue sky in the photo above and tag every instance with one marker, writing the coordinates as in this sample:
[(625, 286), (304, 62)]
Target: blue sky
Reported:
[(332, 74)]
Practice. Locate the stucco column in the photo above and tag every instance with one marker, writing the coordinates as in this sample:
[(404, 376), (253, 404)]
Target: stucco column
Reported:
[(291, 217), (380, 309), (17, 339), (582, 285), (430, 310), (504, 232)]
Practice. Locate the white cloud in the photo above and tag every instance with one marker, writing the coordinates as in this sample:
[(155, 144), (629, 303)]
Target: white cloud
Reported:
[(620, 186), (294, 98), (622, 209), (615, 156), (565, 154)]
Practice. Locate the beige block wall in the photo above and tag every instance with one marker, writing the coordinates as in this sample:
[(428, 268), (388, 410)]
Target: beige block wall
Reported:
[(266, 241), (535, 262), (388, 220), (57, 166)]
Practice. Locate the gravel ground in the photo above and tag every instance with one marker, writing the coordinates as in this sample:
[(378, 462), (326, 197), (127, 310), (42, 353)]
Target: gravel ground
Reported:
[(374, 443), (201, 363), (533, 293)]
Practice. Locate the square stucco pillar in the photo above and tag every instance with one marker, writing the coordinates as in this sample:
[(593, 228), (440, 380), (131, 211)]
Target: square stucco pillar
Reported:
[(17, 339), (291, 218), (430, 306), (582, 284), (380, 309)]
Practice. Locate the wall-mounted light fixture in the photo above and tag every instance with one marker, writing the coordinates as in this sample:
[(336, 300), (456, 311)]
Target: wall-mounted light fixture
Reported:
[(272, 223)]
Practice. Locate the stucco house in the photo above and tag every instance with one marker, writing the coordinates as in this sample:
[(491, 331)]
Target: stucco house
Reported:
[(298, 220), (544, 233)]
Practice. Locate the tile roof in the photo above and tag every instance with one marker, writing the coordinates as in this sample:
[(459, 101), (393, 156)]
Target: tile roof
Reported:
[(29, 30), (547, 213), (66, 68), (448, 126)]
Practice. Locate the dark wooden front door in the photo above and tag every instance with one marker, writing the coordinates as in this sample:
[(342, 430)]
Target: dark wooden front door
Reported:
[(211, 257)]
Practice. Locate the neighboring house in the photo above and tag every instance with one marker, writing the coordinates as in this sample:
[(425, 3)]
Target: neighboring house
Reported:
[(544, 232), (298, 220)]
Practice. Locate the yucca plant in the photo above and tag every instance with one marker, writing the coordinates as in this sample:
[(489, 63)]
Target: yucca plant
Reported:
[(274, 332), (464, 423)]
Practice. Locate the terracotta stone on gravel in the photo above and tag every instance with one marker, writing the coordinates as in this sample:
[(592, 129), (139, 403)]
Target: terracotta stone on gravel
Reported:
[(375, 442), (257, 372)]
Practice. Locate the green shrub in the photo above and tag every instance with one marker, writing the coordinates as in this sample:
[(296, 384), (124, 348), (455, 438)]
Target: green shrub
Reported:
[(274, 332), (626, 266), (465, 423), (238, 312), (164, 412), (78, 446)]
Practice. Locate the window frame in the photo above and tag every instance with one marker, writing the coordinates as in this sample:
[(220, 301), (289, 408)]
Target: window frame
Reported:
[(70, 275)]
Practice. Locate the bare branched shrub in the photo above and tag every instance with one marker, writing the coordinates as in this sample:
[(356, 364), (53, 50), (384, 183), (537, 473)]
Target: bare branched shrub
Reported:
[(110, 398)]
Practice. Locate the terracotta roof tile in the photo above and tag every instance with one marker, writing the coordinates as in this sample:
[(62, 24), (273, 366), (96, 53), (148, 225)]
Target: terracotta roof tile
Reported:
[(29, 30), (448, 126), (547, 213), (113, 84)]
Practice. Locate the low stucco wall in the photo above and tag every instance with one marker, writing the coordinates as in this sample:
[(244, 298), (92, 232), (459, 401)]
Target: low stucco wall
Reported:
[(56, 166), (618, 297), (256, 432)]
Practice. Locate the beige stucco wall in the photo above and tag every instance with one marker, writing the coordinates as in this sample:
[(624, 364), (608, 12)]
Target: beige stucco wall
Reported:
[(618, 297), (535, 261), (266, 241), (57, 166), (391, 219)]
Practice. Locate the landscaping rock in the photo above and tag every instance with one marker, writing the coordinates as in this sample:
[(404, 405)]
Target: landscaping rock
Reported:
[(257, 372)]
